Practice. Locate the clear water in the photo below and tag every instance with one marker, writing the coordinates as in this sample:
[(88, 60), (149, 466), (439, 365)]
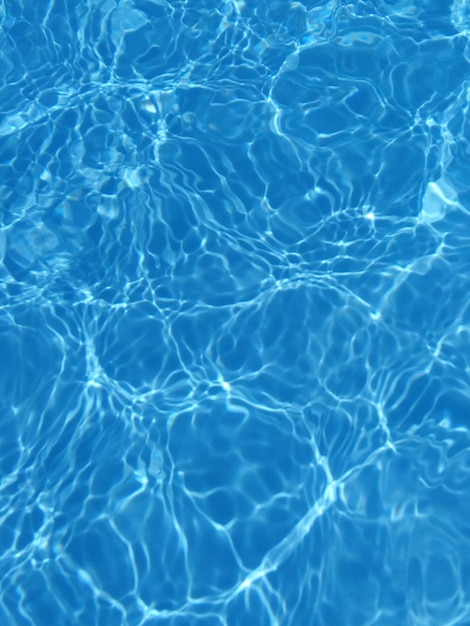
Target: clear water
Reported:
[(234, 313)]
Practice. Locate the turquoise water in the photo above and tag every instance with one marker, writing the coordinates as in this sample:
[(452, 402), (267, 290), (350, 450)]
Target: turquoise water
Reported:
[(234, 313)]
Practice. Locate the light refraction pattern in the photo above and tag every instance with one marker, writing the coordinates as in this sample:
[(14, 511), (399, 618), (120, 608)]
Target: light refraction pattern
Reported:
[(234, 313)]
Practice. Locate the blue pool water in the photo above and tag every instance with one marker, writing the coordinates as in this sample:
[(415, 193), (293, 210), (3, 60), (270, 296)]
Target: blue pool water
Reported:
[(234, 313)]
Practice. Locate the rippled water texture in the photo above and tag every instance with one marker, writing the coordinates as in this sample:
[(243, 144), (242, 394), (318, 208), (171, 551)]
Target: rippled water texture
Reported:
[(234, 313)]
